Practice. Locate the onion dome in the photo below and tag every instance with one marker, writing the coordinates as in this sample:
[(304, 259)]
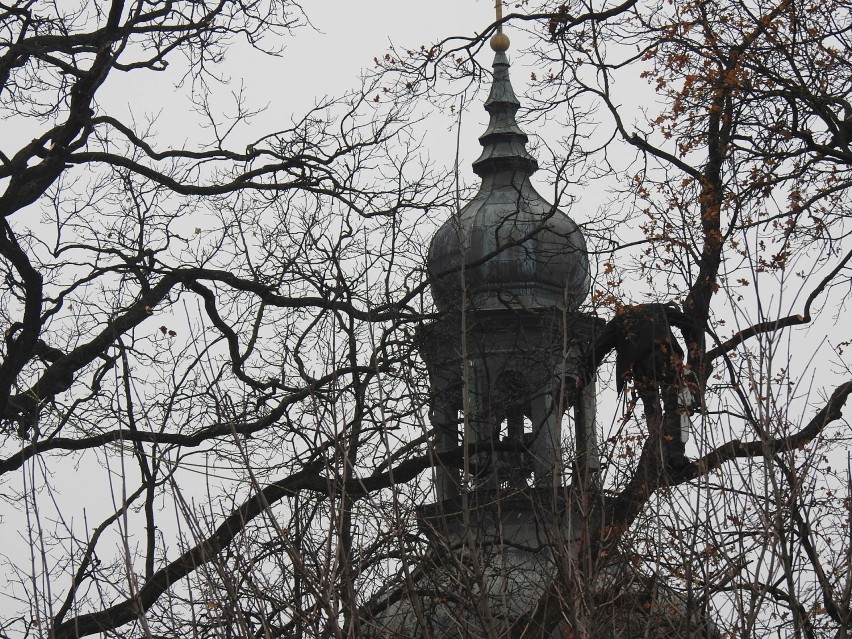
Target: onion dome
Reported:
[(510, 247)]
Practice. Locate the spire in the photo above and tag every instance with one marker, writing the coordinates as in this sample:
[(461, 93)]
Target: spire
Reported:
[(507, 248), (504, 143)]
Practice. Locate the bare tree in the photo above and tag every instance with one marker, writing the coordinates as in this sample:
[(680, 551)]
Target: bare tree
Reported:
[(214, 412), (720, 132), (194, 328)]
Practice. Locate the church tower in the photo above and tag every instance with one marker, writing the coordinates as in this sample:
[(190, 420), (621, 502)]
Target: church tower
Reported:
[(512, 532), (508, 273)]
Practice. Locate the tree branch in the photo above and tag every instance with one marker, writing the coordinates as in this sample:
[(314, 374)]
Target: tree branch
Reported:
[(784, 322)]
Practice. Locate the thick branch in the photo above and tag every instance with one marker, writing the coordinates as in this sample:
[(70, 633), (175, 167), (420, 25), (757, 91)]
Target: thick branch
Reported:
[(225, 429), (624, 508), (128, 610), (309, 479), (784, 322)]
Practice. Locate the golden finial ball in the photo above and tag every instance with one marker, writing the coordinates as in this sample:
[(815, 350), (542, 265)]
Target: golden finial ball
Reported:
[(499, 42)]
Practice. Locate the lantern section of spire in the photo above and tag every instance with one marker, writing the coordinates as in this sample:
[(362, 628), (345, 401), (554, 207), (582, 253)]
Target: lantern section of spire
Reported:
[(504, 144)]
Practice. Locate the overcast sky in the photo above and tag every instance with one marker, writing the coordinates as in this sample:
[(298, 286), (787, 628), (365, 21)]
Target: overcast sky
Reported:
[(327, 58)]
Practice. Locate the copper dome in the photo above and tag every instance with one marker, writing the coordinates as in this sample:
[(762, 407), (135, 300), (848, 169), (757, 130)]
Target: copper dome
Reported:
[(510, 247)]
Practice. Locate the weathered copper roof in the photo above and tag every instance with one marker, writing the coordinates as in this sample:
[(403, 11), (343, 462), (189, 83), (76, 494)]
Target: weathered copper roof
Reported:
[(510, 247)]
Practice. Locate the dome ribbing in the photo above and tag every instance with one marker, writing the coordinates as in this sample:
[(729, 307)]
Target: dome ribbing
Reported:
[(510, 247)]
